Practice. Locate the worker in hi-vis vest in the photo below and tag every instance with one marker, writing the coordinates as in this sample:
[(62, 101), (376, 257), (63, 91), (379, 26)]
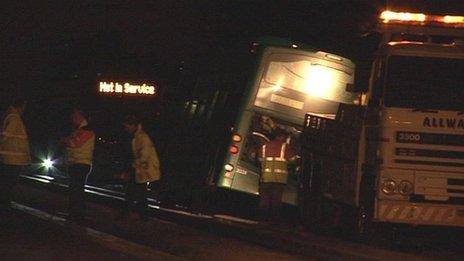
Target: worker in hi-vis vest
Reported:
[(79, 146), (145, 167), (274, 154), (14, 150)]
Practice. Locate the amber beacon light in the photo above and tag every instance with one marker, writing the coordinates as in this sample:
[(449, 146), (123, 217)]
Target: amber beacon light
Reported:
[(422, 19)]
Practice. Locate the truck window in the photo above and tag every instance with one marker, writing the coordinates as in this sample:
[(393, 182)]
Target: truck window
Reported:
[(425, 82)]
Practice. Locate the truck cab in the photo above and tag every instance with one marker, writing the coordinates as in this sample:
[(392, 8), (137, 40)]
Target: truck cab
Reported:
[(398, 155), (417, 91)]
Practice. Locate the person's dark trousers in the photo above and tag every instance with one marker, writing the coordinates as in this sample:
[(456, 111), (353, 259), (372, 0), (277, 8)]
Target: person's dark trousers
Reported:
[(270, 200), (8, 178), (135, 192), (77, 176)]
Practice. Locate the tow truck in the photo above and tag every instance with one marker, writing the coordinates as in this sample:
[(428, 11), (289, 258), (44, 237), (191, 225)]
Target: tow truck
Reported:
[(397, 156)]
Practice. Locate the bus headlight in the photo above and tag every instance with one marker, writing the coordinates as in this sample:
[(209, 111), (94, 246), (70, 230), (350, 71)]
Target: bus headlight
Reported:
[(405, 188), (388, 186)]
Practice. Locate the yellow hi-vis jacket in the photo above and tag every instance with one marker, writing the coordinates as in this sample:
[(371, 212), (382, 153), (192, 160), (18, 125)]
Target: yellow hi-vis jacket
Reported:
[(274, 169), (14, 142), (146, 162)]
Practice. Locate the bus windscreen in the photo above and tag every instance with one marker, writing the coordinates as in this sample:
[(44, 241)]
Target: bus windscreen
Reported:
[(300, 84)]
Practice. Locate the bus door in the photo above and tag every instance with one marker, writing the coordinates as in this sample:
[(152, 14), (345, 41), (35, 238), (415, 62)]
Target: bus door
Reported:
[(261, 131)]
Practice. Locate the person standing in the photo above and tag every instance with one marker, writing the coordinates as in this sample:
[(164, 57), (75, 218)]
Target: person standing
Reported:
[(79, 155), (14, 150), (274, 174), (145, 167)]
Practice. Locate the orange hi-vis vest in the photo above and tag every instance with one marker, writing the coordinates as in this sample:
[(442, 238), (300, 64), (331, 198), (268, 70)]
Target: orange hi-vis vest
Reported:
[(80, 145), (274, 169)]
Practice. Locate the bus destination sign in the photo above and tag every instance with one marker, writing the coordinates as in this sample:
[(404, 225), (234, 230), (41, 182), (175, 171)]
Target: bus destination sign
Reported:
[(127, 88)]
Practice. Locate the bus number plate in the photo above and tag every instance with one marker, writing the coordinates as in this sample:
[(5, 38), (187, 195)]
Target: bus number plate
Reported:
[(241, 171)]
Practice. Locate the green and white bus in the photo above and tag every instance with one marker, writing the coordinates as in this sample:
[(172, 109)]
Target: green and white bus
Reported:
[(229, 113)]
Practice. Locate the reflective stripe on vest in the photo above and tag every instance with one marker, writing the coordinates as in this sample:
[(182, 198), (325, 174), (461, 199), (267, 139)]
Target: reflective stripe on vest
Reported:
[(274, 169), (282, 153)]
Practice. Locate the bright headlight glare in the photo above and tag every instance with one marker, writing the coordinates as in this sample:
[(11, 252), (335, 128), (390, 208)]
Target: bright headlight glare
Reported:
[(47, 163), (405, 187), (388, 186)]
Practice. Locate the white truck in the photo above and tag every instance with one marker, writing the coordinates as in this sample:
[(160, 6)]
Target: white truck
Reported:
[(397, 156)]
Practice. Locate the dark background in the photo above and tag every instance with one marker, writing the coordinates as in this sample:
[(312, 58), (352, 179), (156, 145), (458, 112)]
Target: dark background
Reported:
[(58, 48), (54, 52)]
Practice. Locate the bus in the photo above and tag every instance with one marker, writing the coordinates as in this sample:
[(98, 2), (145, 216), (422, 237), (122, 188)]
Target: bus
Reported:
[(216, 120)]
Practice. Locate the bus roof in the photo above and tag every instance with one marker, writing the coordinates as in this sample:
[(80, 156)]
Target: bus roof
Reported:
[(282, 42)]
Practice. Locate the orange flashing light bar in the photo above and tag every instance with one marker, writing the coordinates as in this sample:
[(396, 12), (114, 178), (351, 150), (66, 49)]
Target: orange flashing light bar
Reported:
[(422, 19), (388, 16), (453, 19)]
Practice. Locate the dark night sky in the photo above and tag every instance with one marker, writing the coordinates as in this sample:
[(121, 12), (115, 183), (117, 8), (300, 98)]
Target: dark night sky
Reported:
[(47, 45), (55, 51)]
